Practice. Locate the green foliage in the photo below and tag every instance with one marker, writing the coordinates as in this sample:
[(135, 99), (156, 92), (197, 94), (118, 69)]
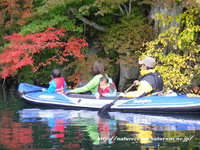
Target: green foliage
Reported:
[(39, 25), (8, 31), (26, 74), (101, 7), (45, 17), (55, 17), (106, 20), (123, 41), (82, 69), (180, 68), (37, 4), (105, 12), (43, 75)]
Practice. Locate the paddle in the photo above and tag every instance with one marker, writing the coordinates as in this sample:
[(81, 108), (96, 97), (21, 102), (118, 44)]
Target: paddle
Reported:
[(19, 94), (106, 107)]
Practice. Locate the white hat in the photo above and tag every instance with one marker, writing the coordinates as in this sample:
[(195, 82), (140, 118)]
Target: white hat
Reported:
[(148, 61)]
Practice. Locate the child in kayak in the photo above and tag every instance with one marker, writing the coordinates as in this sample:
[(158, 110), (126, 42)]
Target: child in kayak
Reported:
[(98, 71), (106, 88), (57, 84)]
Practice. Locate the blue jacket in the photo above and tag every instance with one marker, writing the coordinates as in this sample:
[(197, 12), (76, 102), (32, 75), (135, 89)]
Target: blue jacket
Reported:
[(52, 87)]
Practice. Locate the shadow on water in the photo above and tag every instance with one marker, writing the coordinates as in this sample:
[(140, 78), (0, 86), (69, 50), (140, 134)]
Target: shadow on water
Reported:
[(25, 126)]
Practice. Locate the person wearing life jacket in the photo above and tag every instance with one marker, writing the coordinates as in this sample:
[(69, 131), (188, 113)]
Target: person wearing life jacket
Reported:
[(98, 71), (106, 88), (150, 82), (57, 83)]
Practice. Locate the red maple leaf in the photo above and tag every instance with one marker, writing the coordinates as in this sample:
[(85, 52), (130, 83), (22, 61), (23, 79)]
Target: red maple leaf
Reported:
[(21, 51)]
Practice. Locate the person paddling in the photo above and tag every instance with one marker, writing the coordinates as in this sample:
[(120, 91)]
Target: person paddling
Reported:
[(150, 82)]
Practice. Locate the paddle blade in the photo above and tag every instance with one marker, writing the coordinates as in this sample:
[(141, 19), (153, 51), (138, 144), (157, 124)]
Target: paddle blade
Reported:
[(18, 94), (104, 116), (104, 109)]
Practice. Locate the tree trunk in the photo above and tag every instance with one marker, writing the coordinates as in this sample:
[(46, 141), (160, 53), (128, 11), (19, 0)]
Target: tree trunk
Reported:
[(177, 10), (128, 76)]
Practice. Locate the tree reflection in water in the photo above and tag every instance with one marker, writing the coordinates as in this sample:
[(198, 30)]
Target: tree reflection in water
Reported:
[(14, 135), (74, 129), (45, 129)]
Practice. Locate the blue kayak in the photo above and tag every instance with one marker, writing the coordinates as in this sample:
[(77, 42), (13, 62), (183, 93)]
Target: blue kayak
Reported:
[(154, 103)]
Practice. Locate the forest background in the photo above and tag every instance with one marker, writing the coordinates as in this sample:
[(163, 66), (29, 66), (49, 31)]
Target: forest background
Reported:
[(39, 35)]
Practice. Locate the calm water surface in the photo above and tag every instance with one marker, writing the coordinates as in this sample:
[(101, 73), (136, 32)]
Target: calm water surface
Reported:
[(26, 127)]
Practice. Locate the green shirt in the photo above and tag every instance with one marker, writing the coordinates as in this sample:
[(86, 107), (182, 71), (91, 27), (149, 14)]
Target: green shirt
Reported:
[(92, 85)]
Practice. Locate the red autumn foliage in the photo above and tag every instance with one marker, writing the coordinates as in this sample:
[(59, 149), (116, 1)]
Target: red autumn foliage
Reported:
[(15, 9), (14, 135), (75, 78), (21, 50)]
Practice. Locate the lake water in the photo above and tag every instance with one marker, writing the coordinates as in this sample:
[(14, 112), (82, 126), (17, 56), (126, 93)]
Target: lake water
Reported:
[(27, 127)]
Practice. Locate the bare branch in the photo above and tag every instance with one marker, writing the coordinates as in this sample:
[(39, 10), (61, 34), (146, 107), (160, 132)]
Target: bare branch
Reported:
[(129, 7), (90, 23), (125, 8), (116, 14), (120, 8)]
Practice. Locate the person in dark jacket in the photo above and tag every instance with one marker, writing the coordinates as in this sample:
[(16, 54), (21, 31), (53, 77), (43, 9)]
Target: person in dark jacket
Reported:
[(150, 82)]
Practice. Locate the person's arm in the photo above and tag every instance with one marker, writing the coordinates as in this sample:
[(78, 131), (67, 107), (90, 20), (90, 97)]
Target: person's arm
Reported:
[(143, 88), (51, 88), (97, 95), (90, 86)]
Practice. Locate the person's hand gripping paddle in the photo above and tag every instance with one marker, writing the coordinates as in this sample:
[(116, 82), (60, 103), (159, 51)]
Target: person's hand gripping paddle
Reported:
[(106, 107)]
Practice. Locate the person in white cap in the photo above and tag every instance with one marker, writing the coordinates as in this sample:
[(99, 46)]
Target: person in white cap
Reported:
[(150, 82)]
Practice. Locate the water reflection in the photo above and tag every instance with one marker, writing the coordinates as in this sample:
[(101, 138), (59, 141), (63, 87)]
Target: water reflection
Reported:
[(45, 128), (6, 98), (106, 128), (75, 128), (14, 135)]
